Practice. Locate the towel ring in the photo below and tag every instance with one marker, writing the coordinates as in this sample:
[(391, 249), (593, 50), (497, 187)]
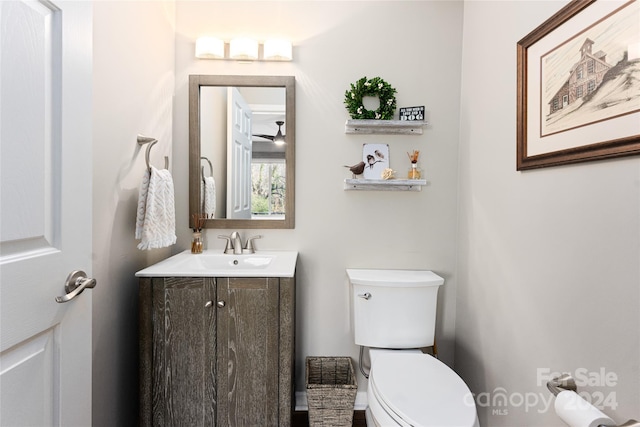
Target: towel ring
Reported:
[(210, 167), (151, 141)]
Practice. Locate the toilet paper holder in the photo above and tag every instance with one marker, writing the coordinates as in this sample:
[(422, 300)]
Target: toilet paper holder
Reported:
[(566, 382), (562, 383)]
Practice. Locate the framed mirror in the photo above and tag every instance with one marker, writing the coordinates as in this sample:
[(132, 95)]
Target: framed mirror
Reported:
[(242, 151)]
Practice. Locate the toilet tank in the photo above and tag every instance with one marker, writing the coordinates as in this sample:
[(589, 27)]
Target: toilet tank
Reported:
[(394, 308)]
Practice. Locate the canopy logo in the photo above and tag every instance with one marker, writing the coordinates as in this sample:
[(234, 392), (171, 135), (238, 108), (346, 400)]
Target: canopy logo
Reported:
[(500, 400)]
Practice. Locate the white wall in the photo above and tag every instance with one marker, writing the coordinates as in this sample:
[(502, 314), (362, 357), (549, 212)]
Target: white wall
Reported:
[(549, 271), (132, 93), (415, 46)]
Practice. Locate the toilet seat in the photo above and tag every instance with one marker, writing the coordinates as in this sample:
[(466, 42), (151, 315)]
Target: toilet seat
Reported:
[(417, 389)]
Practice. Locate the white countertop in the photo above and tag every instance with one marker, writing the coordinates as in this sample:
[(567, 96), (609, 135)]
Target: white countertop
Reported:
[(213, 263)]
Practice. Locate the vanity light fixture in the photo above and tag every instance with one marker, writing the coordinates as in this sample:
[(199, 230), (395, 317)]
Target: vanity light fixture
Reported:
[(277, 50), (244, 49), (209, 48)]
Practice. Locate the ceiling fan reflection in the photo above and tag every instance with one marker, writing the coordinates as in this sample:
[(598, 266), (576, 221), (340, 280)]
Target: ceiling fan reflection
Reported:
[(278, 138)]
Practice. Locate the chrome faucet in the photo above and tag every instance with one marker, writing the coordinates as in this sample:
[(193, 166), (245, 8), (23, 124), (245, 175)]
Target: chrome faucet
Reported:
[(237, 243), (228, 248), (249, 247), (234, 244)]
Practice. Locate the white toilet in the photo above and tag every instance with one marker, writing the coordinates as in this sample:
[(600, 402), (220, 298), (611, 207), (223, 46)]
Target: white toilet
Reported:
[(394, 314)]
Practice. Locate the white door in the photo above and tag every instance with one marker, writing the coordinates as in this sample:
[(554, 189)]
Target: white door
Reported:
[(239, 145), (45, 211)]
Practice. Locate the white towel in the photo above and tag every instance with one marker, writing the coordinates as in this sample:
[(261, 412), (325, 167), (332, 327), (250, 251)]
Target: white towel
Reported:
[(209, 197), (156, 215)]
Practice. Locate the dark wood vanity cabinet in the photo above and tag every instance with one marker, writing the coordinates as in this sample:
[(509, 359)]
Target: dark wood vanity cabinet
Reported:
[(216, 351)]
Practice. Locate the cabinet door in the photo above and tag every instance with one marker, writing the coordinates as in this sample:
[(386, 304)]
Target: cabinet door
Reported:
[(248, 351), (184, 346)]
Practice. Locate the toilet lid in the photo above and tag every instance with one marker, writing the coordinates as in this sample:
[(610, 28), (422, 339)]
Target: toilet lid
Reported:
[(419, 390)]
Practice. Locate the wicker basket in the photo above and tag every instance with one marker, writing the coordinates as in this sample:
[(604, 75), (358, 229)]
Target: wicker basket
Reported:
[(331, 391)]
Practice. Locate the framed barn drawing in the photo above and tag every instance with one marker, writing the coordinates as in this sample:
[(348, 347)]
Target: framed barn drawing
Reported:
[(578, 87)]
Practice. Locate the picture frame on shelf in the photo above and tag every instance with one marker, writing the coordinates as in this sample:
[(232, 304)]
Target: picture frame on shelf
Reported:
[(411, 113), (376, 159)]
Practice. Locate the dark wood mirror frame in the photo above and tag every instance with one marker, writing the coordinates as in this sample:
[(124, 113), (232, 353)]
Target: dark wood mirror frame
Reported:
[(198, 81)]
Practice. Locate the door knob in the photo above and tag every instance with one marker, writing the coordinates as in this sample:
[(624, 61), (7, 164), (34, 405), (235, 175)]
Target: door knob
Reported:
[(76, 282)]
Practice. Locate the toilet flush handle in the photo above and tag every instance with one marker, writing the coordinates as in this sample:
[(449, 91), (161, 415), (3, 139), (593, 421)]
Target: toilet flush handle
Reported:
[(366, 295)]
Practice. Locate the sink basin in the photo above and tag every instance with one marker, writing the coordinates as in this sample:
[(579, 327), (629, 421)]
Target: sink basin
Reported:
[(215, 264)]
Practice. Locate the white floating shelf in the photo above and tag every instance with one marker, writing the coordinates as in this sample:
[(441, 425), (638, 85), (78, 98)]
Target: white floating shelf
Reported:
[(384, 184), (387, 127)]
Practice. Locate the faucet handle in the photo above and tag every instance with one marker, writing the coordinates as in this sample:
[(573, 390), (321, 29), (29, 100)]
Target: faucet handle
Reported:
[(228, 249), (248, 246)]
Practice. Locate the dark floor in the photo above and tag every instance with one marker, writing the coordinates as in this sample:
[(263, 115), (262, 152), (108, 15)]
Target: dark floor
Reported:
[(301, 419)]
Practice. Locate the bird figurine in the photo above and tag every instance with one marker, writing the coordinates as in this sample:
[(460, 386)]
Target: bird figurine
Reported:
[(356, 169)]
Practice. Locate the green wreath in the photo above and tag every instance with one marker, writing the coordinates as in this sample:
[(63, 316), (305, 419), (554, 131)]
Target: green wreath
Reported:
[(374, 87)]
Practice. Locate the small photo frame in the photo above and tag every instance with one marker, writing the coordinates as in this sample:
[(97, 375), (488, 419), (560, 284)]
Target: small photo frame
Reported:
[(412, 113), (376, 159)]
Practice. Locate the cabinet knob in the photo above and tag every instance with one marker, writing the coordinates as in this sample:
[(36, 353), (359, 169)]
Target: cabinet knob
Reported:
[(221, 304), (209, 304)]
